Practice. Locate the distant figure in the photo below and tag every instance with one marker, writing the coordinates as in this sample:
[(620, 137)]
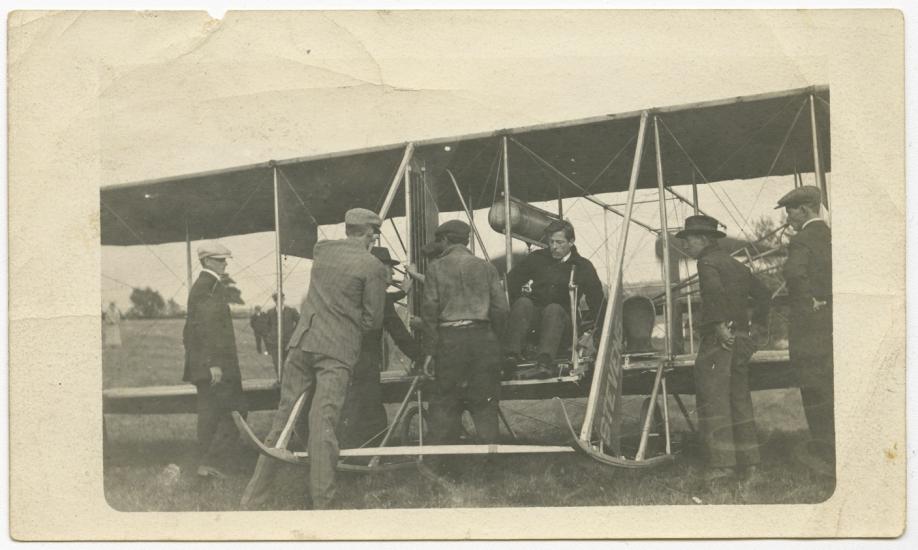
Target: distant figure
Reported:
[(808, 273), (211, 362), (259, 324), (346, 298), (291, 318), (111, 327)]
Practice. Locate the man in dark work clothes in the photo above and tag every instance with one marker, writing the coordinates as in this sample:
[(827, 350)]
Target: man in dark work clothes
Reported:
[(464, 312), (724, 404), (364, 415)]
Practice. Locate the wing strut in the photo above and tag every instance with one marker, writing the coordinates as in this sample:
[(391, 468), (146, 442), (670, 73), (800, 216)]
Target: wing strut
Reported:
[(279, 266), (590, 415), (817, 161), (508, 225), (396, 180)]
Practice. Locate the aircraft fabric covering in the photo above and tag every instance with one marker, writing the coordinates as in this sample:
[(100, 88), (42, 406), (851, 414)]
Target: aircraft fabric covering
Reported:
[(738, 138)]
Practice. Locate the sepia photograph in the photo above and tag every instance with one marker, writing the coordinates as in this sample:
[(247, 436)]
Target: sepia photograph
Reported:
[(388, 261)]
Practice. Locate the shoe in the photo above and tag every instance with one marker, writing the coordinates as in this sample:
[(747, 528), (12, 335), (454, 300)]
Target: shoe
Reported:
[(534, 372), (211, 472), (511, 362), (545, 361)]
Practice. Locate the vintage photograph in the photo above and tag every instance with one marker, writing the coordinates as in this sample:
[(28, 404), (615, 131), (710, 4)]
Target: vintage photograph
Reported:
[(501, 318), (382, 261)]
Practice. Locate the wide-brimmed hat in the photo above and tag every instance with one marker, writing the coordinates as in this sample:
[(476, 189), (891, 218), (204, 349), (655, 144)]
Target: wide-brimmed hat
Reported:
[(701, 225), (382, 254)]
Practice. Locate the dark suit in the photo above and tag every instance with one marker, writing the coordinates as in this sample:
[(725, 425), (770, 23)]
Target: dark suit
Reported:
[(291, 318), (547, 309), (808, 273), (210, 342), (345, 299), (725, 414), (364, 415)]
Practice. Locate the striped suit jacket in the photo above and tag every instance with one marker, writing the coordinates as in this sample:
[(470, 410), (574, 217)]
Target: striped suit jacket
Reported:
[(347, 292)]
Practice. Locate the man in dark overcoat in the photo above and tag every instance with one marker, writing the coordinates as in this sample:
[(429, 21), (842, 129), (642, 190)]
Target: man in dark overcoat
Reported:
[(808, 275), (211, 363)]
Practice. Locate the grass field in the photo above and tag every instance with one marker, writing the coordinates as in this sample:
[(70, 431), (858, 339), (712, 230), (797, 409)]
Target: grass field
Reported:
[(140, 448)]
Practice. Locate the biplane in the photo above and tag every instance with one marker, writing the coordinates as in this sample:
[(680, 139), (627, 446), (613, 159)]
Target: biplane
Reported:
[(783, 133)]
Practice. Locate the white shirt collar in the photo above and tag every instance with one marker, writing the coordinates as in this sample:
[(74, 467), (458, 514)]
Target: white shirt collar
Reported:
[(566, 258), (214, 273), (809, 221)]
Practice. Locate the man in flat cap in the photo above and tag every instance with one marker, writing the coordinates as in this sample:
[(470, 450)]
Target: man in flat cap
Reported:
[(291, 318), (808, 275), (211, 362), (364, 414), (725, 414), (539, 293), (346, 299), (464, 311)]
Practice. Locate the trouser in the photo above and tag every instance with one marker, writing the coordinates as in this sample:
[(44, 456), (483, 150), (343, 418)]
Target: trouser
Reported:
[(551, 321), (467, 377), (258, 341), (363, 415), (324, 381), (817, 390), (725, 414), (216, 431), (272, 351)]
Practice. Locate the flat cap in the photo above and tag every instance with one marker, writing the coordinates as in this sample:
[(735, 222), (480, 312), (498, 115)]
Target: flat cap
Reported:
[(213, 249), (455, 227), (805, 194), (361, 216)]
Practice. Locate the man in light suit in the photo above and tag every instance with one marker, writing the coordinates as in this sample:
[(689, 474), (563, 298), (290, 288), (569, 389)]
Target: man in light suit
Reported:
[(347, 292), (808, 274), (211, 362)]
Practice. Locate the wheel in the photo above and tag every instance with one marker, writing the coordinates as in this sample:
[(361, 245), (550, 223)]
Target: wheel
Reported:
[(413, 425)]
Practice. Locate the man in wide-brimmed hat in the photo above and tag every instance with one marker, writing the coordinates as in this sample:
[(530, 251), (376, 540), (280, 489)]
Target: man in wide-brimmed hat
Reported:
[(721, 368), (808, 274), (363, 417)]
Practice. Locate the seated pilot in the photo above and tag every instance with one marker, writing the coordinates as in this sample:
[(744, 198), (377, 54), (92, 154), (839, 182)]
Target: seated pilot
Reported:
[(539, 298)]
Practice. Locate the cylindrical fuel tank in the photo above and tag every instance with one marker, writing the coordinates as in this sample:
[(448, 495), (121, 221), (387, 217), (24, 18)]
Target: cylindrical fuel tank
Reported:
[(527, 222), (638, 317)]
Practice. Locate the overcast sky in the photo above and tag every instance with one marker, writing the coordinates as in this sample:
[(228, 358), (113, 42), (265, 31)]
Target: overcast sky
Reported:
[(308, 83)]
